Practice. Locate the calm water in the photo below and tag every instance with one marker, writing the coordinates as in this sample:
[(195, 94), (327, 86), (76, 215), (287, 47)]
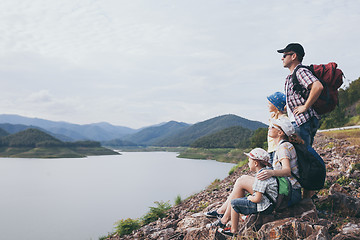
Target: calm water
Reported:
[(64, 199)]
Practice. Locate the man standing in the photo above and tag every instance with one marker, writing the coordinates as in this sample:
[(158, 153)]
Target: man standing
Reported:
[(300, 111)]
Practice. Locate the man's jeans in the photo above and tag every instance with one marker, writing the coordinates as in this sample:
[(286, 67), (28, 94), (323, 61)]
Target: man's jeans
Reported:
[(307, 130)]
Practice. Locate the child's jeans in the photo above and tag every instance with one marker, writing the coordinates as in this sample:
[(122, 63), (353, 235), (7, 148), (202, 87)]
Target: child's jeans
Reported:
[(246, 207)]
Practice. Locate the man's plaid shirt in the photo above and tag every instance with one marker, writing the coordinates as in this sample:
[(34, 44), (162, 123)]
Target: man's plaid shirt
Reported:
[(294, 99)]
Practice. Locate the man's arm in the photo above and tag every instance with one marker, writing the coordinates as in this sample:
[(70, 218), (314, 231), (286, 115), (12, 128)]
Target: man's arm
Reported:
[(315, 91)]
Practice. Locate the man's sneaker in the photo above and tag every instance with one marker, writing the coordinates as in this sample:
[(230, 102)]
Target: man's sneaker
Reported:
[(226, 232), (217, 223), (213, 214)]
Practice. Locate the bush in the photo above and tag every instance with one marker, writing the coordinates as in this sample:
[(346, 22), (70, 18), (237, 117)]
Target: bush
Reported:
[(156, 212), (178, 200), (215, 185), (124, 227), (259, 139), (239, 165)]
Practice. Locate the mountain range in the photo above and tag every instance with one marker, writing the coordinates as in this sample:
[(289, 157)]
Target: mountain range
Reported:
[(63, 130), (171, 133), (189, 134)]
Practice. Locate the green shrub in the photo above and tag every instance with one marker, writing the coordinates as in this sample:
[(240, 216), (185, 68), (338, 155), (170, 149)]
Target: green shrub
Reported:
[(202, 205), (124, 227), (178, 200), (259, 139), (343, 181), (355, 166), (156, 212), (106, 236), (215, 185), (239, 165)]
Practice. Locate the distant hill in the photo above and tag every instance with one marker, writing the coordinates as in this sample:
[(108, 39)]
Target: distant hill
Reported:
[(188, 135), (28, 138), (15, 128), (34, 143), (3, 132), (96, 131), (154, 134), (232, 137)]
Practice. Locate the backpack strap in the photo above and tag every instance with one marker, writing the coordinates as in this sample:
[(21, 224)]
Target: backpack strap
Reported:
[(292, 174), (298, 88), (297, 178), (273, 201)]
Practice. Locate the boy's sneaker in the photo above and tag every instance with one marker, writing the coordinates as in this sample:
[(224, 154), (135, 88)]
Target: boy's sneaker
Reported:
[(226, 232), (213, 214), (217, 223)]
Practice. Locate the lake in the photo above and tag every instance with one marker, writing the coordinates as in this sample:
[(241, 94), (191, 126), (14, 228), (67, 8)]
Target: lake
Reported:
[(82, 198)]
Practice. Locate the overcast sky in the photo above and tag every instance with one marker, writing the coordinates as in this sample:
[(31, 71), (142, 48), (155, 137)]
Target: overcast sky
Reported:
[(137, 63)]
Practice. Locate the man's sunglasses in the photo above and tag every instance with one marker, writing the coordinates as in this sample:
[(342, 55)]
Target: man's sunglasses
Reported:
[(284, 56)]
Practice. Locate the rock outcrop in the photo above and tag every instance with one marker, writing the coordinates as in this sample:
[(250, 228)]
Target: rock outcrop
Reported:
[(333, 214)]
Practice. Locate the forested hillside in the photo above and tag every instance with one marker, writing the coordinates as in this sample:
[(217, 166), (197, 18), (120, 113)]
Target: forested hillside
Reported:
[(155, 134), (28, 138), (348, 111), (3, 132), (233, 137), (36, 143), (213, 125)]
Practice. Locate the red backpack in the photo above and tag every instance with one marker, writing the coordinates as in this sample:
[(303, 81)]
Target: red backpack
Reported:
[(330, 77)]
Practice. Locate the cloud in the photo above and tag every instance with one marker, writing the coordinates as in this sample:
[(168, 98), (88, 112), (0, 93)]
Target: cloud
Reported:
[(42, 96)]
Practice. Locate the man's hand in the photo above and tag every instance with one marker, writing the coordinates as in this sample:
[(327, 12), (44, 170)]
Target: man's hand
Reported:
[(315, 91), (300, 109)]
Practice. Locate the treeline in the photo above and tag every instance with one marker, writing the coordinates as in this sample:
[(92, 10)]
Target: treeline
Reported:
[(233, 137), (348, 109), (35, 138), (190, 134)]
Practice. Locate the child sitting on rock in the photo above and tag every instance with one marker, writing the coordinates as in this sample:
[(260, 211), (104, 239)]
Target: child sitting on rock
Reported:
[(259, 159)]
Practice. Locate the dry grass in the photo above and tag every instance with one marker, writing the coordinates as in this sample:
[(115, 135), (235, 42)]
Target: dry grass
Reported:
[(351, 135)]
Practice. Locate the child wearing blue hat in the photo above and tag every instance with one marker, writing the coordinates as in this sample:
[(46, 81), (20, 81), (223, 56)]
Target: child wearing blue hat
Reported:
[(277, 103)]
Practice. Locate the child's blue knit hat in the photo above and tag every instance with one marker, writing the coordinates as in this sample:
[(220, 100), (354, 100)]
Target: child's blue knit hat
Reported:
[(278, 99)]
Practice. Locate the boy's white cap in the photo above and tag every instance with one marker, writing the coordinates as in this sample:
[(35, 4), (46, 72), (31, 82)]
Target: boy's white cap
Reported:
[(285, 124), (259, 154)]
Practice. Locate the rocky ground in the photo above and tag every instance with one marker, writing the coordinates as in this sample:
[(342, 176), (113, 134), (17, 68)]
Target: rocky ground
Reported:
[(333, 214)]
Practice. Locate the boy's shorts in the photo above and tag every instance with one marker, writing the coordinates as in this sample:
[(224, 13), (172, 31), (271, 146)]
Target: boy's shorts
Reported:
[(244, 206)]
